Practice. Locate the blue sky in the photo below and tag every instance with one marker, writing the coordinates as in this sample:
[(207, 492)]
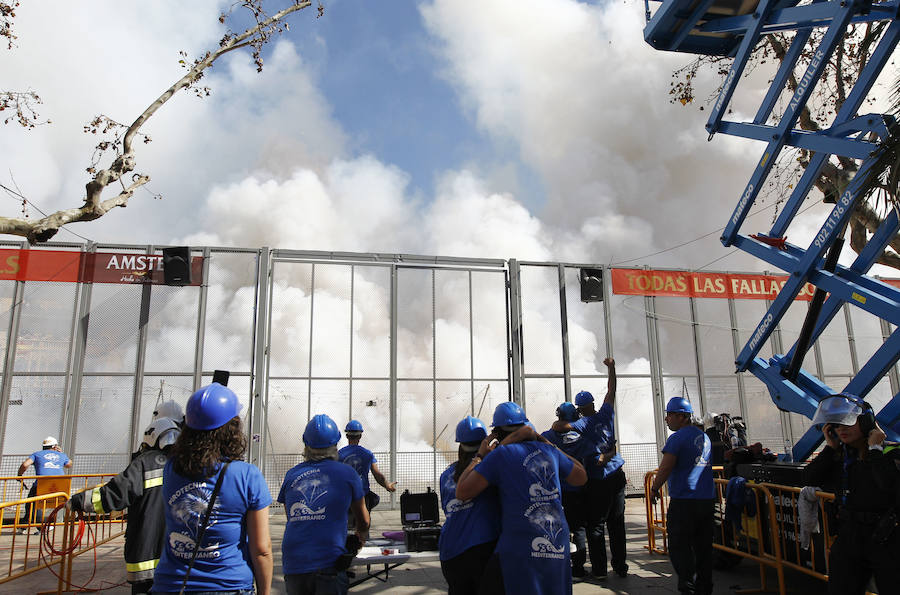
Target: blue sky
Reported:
[(384, 80)]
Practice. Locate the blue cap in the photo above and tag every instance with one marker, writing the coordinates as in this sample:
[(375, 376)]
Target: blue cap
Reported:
[(583, 398), (470, 429), (567, 412), (211, 407), (353, 426), (321, 432), (679, 405), (508, 414)]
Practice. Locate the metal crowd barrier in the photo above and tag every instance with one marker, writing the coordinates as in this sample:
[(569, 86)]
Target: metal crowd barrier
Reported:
[(813, 561), (771, 539), (24, 549), (754, 540)]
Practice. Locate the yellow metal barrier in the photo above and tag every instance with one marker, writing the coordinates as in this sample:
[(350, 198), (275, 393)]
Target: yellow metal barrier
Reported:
[(754, 540), (20, 538), (656, 516), (788, 526)]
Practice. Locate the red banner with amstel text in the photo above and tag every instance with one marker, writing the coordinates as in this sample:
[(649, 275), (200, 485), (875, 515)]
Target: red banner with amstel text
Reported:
[(738, 286), (88, 267)]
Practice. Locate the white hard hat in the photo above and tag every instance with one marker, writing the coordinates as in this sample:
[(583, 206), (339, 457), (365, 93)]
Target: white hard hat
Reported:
[(169, 409), (837, 409), (49, 441), (161, 433)]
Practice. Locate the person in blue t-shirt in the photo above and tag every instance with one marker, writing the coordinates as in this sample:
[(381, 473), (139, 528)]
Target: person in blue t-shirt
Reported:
[(574, 499), (471, 528), (50, 460), (687, 467), (362, 459), (316, 495), (533, 549), (235, 550), (605, 488)]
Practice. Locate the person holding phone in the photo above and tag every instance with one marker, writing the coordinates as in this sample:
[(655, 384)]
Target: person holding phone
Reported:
[(863, 471), (472, 527), (533, 548)]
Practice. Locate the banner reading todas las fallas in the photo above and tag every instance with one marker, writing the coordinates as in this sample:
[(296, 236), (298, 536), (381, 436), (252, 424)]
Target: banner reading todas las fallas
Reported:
[(88, 267), (738, 286)]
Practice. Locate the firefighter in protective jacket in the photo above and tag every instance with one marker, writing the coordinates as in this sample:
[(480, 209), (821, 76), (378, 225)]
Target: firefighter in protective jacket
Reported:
[(863, 470), (139, 489)]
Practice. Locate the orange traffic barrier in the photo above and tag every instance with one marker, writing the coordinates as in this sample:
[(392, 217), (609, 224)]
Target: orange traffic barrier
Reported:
[(32, 538)]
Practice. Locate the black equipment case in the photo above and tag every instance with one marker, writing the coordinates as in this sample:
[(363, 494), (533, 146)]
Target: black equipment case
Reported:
[(419, 514), (779, 472)]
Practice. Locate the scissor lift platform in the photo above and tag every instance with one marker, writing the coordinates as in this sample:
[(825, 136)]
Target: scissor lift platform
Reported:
[(679, 26), (735, 28)]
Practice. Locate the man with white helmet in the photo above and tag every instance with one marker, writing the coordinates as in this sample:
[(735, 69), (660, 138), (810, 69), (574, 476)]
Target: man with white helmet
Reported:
[(50, 460), (169, 409), (139, 489)]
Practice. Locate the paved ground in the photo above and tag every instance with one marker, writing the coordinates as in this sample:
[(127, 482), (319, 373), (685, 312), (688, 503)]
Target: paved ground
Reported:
[(649, 573)]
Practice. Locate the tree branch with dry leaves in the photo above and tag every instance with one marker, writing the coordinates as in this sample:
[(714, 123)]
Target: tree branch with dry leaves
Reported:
[(122, 143)]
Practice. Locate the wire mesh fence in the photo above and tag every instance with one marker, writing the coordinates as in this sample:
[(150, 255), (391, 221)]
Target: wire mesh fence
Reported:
[(408, 345)]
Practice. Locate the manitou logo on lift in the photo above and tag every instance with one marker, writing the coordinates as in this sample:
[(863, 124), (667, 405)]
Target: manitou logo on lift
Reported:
[(725, 88), (742, 204), (761, 330)]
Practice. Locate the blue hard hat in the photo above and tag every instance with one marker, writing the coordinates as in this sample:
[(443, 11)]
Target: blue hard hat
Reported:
[(321, 432), (508, 414), (470, 429), (211, 407), (679, 405), (567, 412), (583, 398), (353, 426)]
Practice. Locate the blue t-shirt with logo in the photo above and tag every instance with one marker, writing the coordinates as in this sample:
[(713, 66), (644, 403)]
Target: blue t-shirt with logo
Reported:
[(692, 476), (534, 537), (223, 562), (316, 498), (600, 430), (360, 459), (49, 462), (570, 443), (468, 523)]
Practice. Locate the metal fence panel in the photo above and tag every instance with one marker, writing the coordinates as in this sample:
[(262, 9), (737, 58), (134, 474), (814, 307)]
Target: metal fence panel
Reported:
[(35, 411), (329, 351)]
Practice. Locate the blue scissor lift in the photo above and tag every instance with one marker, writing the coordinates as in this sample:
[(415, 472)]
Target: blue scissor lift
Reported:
[(734, 28)]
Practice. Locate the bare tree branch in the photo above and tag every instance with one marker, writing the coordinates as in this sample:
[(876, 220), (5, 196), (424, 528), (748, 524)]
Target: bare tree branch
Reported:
[(124, 162), (44, 229)]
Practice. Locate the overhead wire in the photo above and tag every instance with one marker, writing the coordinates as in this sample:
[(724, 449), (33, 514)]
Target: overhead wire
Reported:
[(698, 238), (17, 196)]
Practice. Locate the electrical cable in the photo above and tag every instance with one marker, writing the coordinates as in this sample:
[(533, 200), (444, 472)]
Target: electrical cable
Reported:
[(37, 208), (706, 235), (46, 545)]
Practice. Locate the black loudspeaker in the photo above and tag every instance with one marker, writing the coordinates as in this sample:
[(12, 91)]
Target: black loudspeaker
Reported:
[(221, 376), (591, 285), (177, 265)]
